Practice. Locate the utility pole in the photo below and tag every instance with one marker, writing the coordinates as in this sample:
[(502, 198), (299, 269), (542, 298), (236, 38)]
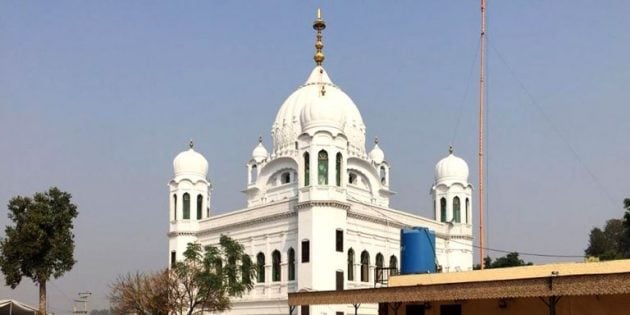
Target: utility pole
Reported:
[(83, 298), (482, 74)]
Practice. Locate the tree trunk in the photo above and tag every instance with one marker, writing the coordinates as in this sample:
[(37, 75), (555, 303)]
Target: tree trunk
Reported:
[(42, 297)]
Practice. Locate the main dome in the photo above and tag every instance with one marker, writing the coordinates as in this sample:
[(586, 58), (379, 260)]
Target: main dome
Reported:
[(287, 126)]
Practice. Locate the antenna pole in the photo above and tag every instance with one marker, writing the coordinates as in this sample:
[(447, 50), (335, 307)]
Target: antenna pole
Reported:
[(482, 46)]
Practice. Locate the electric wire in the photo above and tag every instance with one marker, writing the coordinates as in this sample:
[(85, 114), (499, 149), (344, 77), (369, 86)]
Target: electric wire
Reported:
[(554, 128), (386, 217), (461, 104), (61, 291)]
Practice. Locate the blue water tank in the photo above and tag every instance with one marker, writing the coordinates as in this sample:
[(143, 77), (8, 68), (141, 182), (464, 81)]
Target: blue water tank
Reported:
[(417, 250)]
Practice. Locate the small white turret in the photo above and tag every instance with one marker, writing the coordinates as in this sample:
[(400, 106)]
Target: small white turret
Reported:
[(451, 168), (190, 163), (377, 155), (452, 192), (189, 200), (260, 153)]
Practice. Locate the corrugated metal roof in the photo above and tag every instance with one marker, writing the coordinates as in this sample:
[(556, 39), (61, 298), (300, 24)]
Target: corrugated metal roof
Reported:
[(512, 273), (572, 279)]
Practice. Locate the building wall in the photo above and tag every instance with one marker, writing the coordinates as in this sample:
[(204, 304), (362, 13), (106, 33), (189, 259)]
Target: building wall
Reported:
[(280, 226), (567, 305)]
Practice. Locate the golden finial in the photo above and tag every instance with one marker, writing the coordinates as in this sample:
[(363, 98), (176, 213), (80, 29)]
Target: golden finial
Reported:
[(191, 144), (323, 90), (260, 139), (450, 149), (319, 25), (375, 140)]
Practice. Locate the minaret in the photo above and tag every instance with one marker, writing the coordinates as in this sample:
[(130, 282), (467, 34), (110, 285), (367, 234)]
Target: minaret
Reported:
[(452, 193), (189, 200), (452, 200)]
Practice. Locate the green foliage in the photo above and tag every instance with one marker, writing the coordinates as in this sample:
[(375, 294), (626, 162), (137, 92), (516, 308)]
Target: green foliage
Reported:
[(614, 241), (203, 282), (208, 277), (509, 260), (40, 244), (607, 244), (625, 245)]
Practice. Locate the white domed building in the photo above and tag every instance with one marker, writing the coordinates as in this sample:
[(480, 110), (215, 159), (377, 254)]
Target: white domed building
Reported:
[(318, 215)]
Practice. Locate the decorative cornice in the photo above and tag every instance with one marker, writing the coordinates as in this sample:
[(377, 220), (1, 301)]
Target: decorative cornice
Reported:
[(368, 218), (246, 223), (175, 233), (323, 203)]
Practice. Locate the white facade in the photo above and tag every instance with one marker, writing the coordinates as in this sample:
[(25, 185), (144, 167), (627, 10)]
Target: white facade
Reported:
[(316, 184)]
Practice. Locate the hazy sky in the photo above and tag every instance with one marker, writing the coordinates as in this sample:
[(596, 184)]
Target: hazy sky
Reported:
[(98, 97)]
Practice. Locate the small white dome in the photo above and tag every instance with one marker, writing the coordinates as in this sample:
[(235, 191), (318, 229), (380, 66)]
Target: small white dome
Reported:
[(260, 153), (451, 168), (190, 162), (377, 155)]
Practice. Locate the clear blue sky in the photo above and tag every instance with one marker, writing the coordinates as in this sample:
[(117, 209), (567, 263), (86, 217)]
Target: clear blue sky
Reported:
[(98, 97)]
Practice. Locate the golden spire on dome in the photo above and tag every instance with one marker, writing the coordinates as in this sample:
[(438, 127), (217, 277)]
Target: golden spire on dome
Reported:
[(319, 25)]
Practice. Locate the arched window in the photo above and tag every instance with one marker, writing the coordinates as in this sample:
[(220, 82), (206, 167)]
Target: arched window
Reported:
[(379, 267), (174, 207), (365, 266), (291, 266), (218, 266), (383, 174), (275, 267), (307, 169), (246, 266), (352, 178), (285, 178), (393, 265), (338, 169), (186, 206), (456, 210), (253, 174), (231, 270), (443, 209), (467, 209), (199, 206), (260, 267), (322, 167), (379, 260), (351, 264)]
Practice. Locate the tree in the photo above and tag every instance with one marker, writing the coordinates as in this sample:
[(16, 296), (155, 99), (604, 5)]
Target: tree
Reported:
[(40, 244), (509, 260), (201, 282), (487, 262), (607, 244), (140, 293), (205, 283), (626, 224)]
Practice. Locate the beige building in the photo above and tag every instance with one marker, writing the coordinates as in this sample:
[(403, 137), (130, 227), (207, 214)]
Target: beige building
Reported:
[(562, 289)]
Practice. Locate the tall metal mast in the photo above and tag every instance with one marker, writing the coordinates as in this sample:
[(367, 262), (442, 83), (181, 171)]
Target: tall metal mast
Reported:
[(482, 46)]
